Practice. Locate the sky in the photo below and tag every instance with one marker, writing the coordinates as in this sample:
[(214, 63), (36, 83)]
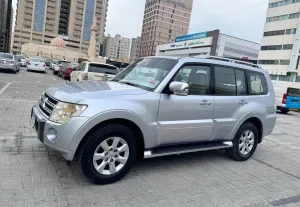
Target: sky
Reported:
[(240, 18)]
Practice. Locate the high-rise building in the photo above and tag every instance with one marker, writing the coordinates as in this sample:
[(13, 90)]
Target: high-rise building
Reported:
[(11, 29), (117, 47), (135, 48), (39, 21), (164, 20), (280, 43), (5, 25)]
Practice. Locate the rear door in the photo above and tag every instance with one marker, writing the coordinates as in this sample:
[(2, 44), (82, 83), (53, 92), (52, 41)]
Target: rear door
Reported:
[(101, 72), (293, 99), (231, 99)]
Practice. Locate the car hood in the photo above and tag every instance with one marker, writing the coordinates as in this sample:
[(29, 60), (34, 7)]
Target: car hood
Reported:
[(75, 92)]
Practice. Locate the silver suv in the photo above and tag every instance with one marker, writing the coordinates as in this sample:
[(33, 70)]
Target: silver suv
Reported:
[(157, 106)]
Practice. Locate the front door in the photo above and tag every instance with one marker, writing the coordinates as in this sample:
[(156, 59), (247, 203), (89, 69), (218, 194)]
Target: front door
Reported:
[(231, 100), (185, 119)]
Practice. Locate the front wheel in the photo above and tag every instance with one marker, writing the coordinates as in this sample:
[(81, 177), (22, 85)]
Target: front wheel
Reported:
[(108, 154), (244, 143)]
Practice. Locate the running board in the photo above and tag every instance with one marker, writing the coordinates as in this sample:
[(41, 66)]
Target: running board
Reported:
[(181, 149)]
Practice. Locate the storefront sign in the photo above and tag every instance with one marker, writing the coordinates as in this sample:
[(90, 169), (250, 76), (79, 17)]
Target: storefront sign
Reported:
[(191, 37), (191, 43)]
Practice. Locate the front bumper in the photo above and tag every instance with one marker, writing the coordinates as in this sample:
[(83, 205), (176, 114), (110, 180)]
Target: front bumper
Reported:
[(57, 136), (7, 67), (36, 68), (23, 64)]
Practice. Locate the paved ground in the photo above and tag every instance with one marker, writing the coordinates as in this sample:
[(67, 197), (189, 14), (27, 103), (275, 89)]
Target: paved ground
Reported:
[(32, 175)]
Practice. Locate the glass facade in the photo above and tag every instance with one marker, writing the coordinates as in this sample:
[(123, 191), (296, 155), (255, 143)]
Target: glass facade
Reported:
[(88, 19), (39, 15)]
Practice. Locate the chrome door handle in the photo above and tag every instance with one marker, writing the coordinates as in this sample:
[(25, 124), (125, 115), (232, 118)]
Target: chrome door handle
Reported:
[(243, 102)]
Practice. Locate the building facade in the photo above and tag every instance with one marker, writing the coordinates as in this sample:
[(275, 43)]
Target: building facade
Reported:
[(281, 40), (39, 21), (164, 20), (5, 25), (210, 43), (135, 48), (117, 47)]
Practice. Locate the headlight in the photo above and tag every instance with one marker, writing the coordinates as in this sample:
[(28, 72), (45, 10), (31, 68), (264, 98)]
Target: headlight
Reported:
[(64, 111)]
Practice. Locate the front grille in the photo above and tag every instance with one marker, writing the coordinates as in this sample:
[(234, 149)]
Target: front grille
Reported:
[(47, 104)]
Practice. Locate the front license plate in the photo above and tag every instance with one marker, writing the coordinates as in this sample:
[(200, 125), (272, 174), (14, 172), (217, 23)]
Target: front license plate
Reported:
[(32, 120)]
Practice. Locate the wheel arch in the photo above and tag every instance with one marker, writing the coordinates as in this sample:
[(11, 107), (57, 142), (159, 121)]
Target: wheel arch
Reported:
[(259, 126), (126, 122)]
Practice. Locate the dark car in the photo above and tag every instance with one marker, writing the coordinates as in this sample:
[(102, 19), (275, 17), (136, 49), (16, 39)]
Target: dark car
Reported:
[(66, 70)]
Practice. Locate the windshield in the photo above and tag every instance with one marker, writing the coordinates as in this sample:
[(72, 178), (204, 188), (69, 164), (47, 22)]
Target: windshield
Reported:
[(100, 68), (37, 60), (146, 74), (7, 56)]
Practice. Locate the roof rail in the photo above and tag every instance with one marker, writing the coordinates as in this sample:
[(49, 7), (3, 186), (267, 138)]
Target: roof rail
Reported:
[(228, 60)]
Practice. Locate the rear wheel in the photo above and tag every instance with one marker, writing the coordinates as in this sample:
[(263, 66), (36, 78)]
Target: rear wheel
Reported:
[(108, 154), (244, 143)]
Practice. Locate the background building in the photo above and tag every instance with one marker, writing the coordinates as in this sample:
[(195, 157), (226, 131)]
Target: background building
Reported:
[(39, 21), (135, 48), (117, 47), (280, 42), (163, 21), (5, 25), (210, 43)]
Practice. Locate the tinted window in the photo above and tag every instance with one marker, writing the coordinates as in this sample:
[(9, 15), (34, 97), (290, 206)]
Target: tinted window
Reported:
[(81, 67), (293, 92), (257, 83), (98, 68), (7, 56), (241, 84), (198, 78), (225, 83)]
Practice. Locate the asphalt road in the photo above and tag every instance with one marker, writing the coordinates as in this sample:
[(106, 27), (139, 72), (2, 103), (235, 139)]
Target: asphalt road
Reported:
[(32, 175)]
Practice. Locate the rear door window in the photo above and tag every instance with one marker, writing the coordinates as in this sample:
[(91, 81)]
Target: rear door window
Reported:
[(225, 83), (98, 68), (257, 83), (293, 92)]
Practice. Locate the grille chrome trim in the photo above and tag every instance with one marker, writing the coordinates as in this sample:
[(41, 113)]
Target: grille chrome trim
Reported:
[(47, 104)]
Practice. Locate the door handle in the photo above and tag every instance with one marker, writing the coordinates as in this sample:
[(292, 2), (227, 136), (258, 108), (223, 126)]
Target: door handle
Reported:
[(243, 102)]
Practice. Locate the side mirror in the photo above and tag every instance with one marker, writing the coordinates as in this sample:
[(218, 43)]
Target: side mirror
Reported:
[(179, 88)]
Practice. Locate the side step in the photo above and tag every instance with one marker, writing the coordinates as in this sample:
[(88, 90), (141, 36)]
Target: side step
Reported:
[(181, 149)]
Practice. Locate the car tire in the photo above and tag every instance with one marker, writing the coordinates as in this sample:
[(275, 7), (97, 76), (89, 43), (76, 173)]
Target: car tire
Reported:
[(107, 134), (284, 110), (14, 72), (241, 150), (28, 70)]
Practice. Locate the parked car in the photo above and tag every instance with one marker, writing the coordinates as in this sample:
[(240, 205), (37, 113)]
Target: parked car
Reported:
[(287, 96), (8, 62), (36, 64), (22, 60), (94, 71), (159, 106), (66, 70), (48, 62), (58, 66), (53, 63)]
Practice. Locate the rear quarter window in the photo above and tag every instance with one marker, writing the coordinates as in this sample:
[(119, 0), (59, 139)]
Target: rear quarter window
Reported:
[(293, 92), (257, 83), (97, 68)]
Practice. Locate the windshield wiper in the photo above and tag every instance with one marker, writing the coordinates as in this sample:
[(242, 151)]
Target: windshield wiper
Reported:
[(129, 83)]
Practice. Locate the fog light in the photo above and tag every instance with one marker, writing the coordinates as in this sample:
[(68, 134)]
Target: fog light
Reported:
[(51, 135)]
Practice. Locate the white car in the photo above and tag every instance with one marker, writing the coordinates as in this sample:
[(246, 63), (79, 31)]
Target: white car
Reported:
[(93, 71), (36, 64)]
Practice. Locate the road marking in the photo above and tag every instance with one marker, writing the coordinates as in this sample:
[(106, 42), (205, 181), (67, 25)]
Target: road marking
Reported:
[(5, 99), (52, 76), (4, 88), (287, 130)]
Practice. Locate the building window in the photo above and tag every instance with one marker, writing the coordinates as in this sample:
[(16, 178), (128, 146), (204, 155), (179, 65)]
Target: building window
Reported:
[(290, 31), (294, 16), (271, 47), (287, 47), (284, 62), (39, 16), (268, 62)]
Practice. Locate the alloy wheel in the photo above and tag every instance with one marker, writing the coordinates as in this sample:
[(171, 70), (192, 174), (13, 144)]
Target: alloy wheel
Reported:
[(111, 155), (246, 142)]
